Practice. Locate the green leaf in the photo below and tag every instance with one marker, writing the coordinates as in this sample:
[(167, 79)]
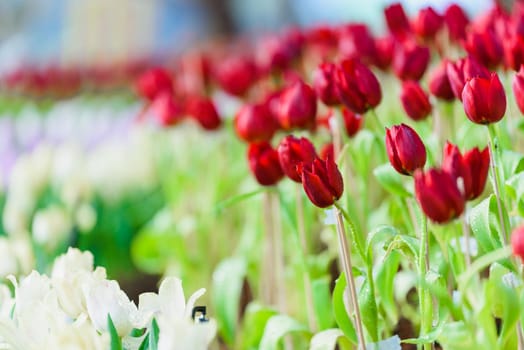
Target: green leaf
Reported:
[(391, 180), (481, 263), (512, 163), (340, 312), (321, 298), (484, 224), (328, 340), (253, 325), (407, 245), (368, 310), (228, 280), (153, 335), (386, 273), (116, 342), (277, 327), (515, 189), (237, 199)]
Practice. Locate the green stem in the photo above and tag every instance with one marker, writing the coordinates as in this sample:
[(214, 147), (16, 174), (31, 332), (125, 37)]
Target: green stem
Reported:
[(425, 304), (497, 187), (376, 121)]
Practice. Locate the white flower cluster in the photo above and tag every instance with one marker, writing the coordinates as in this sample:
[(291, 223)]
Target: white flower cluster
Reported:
[(70, 309)]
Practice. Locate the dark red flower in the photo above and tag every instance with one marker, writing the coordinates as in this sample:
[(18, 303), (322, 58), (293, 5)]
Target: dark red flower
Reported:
[(236, 74), (514, 51), (293, 151), (415, 100), (427, 23), (517, 242), (353, 122), (411, 61), (461, 71), (264, 164), (324, 84), (204, 111), (274, 54), (406, 151), (254, 122), (518, 88), (355, 41), (154, 82), (485, 46), (322, 182), (456, 22), (328, 150), (297, 107), (439, 84), (397, 21), (484, 100), (385, 47), (357, 87), (438, 195)]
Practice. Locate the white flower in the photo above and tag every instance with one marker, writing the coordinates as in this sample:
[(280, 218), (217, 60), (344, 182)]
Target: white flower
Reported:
[(8, 259), (182, 334), (51, 227), (79, 335), (106, 298)]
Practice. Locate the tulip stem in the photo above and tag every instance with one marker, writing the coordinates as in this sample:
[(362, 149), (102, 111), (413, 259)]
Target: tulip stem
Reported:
[(492, 145), (303, 242), (348, 271), (465, 231), (378, 124), (425, 303), (268, 268), (280, 286)]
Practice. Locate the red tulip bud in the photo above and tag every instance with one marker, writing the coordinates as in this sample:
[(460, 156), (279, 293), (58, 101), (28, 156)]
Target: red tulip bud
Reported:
[(264, 163), (255, 123), (322, 182), (472, 168), (385, 47), (274, 54), (236, 75), (485, 46), (297, 107), (439, 85), (293, 151), (514, 51), (518, 88), (438, 195), (397, 21), (324, 84), (410, 61), (204, 111), (328, 150), (406, 151), (427, 23), (355, 41), (484, 100), (456, 21), (154, 82), (517, 242), (352, 121), (357, 87), (415, 100), (461, 71), (164, 110)]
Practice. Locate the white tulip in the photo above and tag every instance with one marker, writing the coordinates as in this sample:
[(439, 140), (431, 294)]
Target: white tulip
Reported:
[(8, 259), (51, 227)]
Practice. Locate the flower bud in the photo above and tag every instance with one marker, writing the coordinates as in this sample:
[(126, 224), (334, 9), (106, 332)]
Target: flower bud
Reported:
[(410, 61), (456, 22), (293, 151), (324, 84), (352, 121), (297, 107), (439, 85), (164, 110), (264, 163), (518, 88), (355, 41), (204, 111), (385, 47), (438, 195), (357, 87), (427, 23), (397, 21), (154, 82), (484, 100), (322, 182), (328, 150), (463, 70), (485, 46), (415, 100), (236, 75), (514, 51), (517, 242), (406, 151), (254, 122)]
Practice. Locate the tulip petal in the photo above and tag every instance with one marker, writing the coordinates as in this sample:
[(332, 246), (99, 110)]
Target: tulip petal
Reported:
[(316, 190)]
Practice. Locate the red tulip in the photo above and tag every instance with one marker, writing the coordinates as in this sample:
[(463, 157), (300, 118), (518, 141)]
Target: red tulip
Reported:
[(517, 242), (411, 61), (322, 40), (439, 84), (397, 21), (357, 87), (254, 122), (484, 100), (385, 47), (274, 54), (514, 51), (322, 182), (406, 151), (415, 100), (485, 46), (427, 23), (293, 151), (297, 107), (264, 163), (352, 121), (355, 41), (324, 84), (328, 150), (438, 195), (236, 75), (164, 110), (518, 88), (154, 82), (472, 168), (456, 21), (461, 71), (204, 111)]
